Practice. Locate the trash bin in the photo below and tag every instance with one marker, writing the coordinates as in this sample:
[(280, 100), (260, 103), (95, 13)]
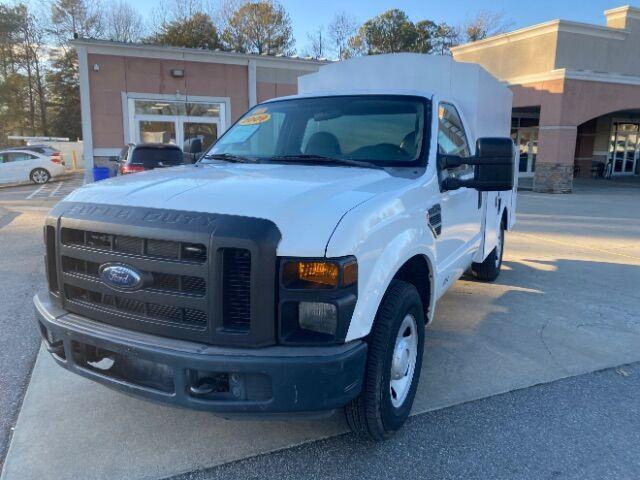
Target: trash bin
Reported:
[(100, 173)]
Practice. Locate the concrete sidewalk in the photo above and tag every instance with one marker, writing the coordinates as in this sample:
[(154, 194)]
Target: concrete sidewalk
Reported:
[(566, 304)]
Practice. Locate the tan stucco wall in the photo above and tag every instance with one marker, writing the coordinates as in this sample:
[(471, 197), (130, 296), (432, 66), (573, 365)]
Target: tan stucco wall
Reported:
[(584, 52), (515, 58)]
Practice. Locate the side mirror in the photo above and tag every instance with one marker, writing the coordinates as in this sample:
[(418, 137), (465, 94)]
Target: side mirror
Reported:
[(494, 164)]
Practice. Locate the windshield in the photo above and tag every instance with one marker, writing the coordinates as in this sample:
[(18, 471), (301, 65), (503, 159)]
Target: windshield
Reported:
[(154, 156), (380, 129)]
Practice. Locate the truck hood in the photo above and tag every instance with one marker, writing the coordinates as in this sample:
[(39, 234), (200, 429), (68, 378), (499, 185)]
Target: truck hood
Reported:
[(305, 202)]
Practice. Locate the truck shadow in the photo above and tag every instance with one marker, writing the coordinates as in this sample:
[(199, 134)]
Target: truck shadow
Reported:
[(540, 321)]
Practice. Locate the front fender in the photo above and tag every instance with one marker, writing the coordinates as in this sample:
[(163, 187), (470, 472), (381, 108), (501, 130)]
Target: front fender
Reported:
[(382, 236)]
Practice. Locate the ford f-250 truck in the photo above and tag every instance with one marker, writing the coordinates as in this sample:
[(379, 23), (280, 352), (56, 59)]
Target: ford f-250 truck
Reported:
[(293, 269)]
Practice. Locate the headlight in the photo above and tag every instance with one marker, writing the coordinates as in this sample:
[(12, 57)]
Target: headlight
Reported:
[(316, 300), (319, 274)]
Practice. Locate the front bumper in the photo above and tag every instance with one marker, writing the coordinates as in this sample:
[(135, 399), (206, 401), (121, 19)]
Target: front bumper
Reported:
[(277, 379)]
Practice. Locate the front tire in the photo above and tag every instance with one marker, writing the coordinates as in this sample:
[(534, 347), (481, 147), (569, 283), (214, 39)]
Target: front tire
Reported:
[(394, 362), (489, 270), (39, 176)]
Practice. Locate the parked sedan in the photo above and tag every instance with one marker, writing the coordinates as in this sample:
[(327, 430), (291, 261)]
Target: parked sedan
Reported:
[(27, 165), (147, 156), (45, 150)]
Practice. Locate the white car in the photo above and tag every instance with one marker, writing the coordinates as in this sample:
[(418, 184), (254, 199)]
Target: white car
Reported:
[(17, 166)]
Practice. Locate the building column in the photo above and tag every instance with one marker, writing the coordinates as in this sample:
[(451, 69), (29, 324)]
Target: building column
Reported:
[(554, 164), (85, 113), (253, 83)]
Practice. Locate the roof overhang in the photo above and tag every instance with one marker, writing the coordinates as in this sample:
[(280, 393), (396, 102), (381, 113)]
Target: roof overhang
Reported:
[(569, 74), (553, 26), (103, 47)]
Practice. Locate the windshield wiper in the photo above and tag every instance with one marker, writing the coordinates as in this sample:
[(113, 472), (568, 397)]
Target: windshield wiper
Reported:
[(229, 157), (323, 159)]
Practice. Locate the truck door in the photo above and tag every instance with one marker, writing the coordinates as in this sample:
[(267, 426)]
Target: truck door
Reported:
[(461, 209)]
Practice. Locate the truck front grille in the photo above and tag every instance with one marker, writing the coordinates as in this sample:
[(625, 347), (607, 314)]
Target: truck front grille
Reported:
[(165, 282), (135, 246), (204, 278), (236, 292), (144, 310)]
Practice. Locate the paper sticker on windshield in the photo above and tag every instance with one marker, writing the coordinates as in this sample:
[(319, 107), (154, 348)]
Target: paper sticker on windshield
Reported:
[(255, 119)]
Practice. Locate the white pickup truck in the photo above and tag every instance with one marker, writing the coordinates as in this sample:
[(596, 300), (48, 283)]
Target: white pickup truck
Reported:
[(293, 269)]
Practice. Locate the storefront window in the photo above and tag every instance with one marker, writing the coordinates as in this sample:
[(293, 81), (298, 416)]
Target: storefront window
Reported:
[(193, 126), (157, 132), (192, 109)]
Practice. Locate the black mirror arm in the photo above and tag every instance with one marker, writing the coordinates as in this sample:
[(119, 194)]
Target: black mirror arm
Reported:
[(446, 162)]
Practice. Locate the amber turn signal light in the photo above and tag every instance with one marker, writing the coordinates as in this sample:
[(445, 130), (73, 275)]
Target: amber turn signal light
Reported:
[(310, 275), (318, 274)]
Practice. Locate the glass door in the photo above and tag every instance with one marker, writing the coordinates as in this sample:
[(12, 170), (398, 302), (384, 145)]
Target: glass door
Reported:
[(199, 133), (193, 126), (156, 130), (625, 149), (526, 141)]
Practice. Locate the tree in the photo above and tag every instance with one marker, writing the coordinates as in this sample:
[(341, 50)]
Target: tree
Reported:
[(317, 44), (485, 24), (71, 18), (22, 88), (389, 32), (196, 31), (342, 27), (168, 11), (64, 95), (11, 19), (259, 27), (32, 53), (443, 38), (123, 23)]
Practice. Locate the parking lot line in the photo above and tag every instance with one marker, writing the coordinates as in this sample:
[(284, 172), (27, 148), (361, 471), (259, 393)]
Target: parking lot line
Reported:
[(55, 190), (36, 192)]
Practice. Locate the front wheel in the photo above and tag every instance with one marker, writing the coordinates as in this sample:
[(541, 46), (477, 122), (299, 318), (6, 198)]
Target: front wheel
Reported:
[(394, 361), (489, 270), (39, 176)]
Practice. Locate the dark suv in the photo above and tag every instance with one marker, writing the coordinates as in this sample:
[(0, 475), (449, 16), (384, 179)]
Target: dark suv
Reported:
[(147, 156)]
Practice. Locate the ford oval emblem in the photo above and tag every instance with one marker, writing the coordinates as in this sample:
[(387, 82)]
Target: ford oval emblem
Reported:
[(120, 276)]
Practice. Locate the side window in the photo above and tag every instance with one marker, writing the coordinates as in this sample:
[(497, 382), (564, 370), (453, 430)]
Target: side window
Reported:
[(452, 139), (18, 157)]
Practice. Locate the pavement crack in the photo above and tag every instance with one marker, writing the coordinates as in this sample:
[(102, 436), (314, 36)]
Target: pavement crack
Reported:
[(546, 347)]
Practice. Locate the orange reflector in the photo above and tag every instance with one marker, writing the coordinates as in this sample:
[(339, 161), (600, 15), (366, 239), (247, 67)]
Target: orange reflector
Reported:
[(350, 274)]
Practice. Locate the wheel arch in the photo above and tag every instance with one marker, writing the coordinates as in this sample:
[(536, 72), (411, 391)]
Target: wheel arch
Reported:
[(505, 218), (418, 272)]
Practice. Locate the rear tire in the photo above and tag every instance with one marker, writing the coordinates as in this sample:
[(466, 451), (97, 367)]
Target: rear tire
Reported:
[(394, 362), (489, 270), (39, 176)]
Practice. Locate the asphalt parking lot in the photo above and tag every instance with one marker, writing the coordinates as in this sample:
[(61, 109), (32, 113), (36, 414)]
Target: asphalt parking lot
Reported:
[(508, 389), (34, 195)]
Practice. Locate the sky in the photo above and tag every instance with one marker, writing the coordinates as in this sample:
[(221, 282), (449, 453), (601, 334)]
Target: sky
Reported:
[(308, 15)]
